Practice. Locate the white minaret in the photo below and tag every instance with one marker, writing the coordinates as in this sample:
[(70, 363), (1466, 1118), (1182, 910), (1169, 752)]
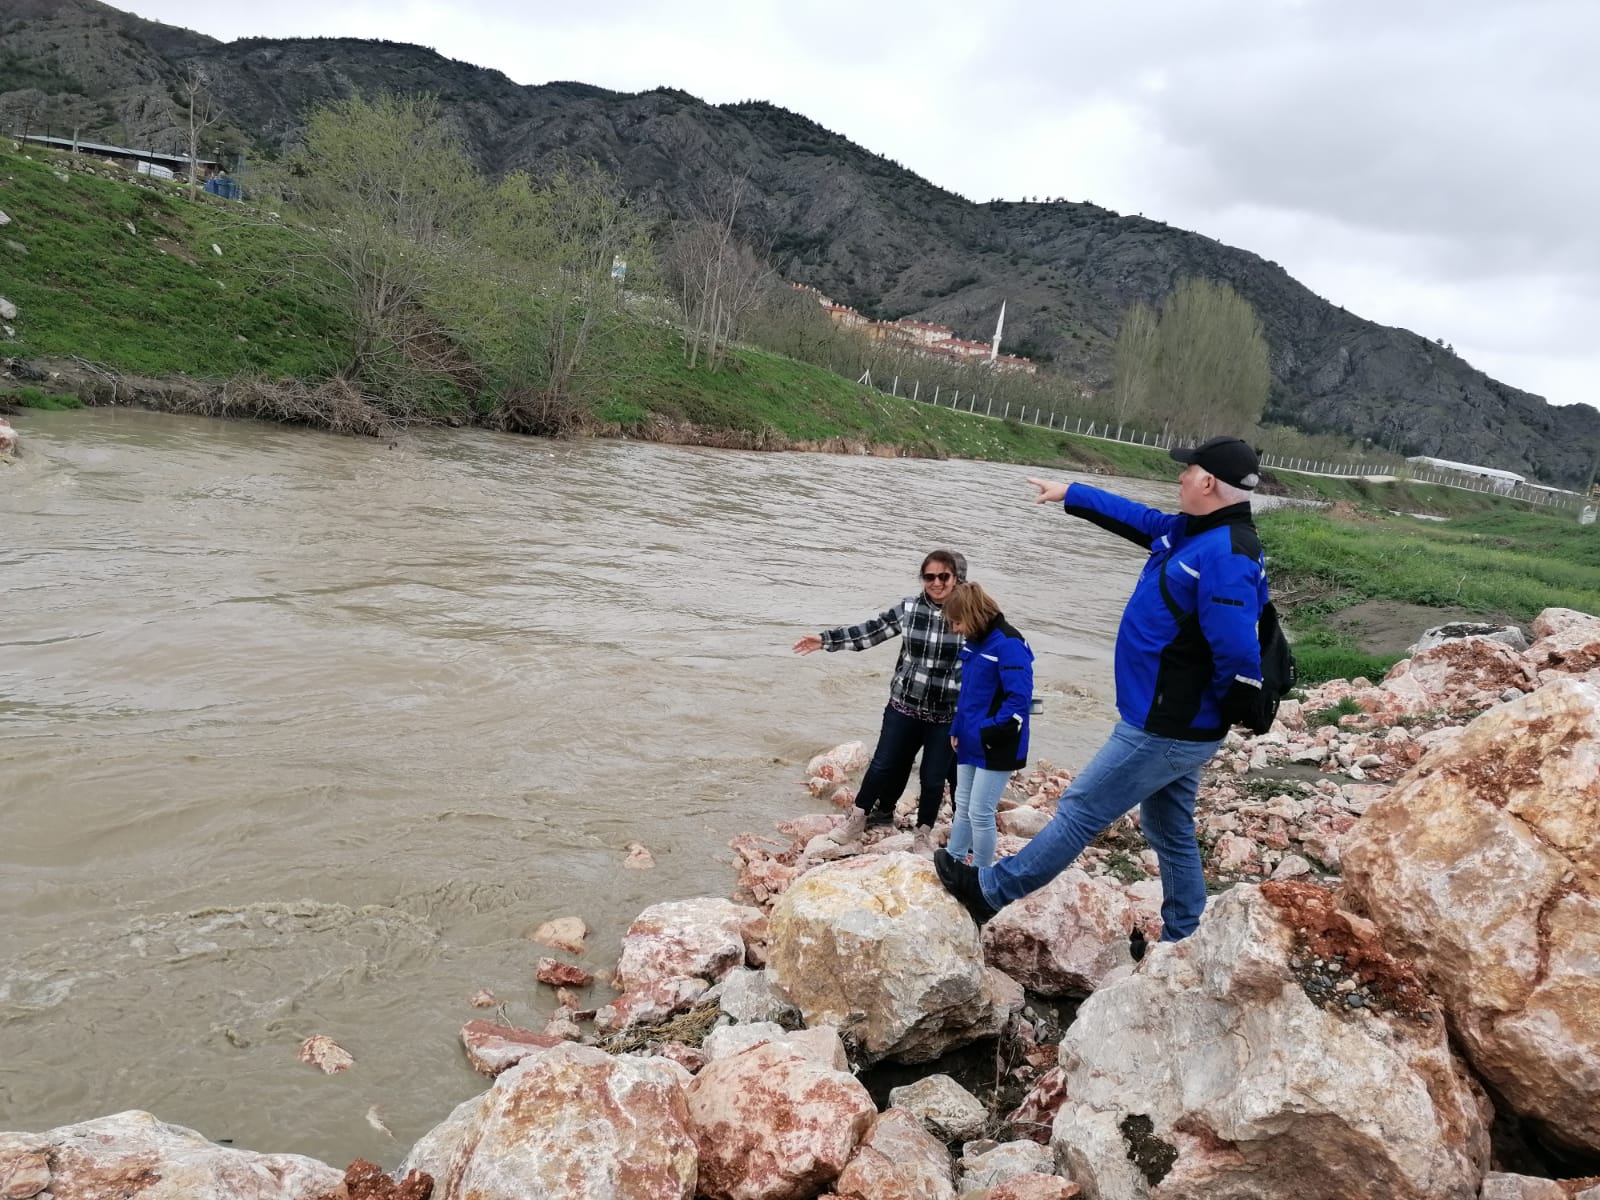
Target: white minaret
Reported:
[(994, 351)]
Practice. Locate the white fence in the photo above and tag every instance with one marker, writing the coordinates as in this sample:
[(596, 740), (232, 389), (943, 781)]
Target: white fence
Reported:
[(970, 401)]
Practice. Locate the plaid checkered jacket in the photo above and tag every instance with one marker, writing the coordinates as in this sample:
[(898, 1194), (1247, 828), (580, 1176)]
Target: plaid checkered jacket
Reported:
[(927, 679)]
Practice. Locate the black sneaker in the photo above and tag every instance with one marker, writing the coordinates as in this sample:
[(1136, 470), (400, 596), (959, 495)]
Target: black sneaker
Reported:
[(961, 881), (1136, 944), (879, 819)]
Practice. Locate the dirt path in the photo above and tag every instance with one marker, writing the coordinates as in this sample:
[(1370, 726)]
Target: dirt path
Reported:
[(1389, 627)]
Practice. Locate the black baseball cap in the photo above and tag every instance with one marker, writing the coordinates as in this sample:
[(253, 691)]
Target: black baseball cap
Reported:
[(1228, 458)]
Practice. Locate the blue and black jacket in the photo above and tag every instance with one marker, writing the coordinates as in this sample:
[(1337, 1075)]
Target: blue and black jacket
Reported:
[(992, 712), (1188, 660)]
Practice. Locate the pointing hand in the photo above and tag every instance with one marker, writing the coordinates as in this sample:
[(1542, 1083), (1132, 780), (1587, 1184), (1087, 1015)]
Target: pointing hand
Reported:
[(1049, 492)]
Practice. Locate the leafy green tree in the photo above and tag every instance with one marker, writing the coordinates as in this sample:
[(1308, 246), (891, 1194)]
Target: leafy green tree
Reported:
[(454, 284), (560, 264), (383, 194)]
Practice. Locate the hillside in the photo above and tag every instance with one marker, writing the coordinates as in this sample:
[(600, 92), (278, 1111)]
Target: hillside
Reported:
[(834, 215), (129, 292)]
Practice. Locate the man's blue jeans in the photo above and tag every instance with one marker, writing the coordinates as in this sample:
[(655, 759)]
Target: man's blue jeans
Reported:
[(1160, 775)]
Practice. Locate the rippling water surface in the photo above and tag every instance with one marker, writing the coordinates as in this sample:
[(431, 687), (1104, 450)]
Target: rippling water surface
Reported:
[(301, 734)]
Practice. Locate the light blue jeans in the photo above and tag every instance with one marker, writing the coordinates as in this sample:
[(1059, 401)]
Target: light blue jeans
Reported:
[(977, 796), (1160, 775)]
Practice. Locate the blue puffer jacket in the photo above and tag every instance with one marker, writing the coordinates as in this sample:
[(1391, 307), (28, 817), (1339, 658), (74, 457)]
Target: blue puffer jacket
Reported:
[(992, 712), (1188, 655)]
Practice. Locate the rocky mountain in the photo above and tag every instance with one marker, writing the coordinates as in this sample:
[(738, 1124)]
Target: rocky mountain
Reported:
[(852, 223)]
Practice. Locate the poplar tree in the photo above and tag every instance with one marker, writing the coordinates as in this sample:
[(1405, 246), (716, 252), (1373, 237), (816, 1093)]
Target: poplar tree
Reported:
[(1202, 370)]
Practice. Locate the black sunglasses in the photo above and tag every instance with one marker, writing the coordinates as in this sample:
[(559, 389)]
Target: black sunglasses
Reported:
[(931, 576)]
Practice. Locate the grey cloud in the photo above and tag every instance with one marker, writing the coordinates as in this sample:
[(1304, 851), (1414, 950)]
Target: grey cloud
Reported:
[(1464, 122)]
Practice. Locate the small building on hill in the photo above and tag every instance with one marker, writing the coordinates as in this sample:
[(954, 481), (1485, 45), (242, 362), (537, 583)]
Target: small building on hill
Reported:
[(176, 165)]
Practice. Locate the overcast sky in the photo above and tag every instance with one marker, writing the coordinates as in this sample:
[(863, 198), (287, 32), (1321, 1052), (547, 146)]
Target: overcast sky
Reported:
[(1425, 164)]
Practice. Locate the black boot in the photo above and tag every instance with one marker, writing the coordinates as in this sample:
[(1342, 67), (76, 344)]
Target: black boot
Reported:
[(961, 881)]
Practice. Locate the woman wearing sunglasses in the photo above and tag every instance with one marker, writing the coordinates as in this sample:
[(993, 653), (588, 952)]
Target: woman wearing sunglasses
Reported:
[(922, 701)]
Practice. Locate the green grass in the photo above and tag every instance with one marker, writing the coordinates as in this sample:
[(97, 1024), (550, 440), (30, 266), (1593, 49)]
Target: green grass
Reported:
[(1322, 654), (759, 392), (1502, 566), (1330, 716), (1438, 565), (156, 300), (32, 397)]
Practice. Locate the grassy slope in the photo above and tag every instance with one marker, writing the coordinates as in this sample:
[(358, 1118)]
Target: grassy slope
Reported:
[(155, 299)]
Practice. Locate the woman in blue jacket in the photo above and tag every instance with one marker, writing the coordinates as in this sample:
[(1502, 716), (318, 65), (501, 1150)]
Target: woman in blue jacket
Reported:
[(990, 729)]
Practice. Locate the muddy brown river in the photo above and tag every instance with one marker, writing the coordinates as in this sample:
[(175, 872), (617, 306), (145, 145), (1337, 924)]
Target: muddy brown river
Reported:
[(304, 735)]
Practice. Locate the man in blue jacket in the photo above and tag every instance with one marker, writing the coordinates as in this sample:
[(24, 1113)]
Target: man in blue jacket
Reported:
[(1188, 666)]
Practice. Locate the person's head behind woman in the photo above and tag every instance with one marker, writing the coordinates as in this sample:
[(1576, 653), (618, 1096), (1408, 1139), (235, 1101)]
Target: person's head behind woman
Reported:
[(940, 573), (969, 610)]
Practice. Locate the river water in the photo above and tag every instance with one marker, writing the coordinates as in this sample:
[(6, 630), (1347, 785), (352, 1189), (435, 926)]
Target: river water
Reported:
[(304, 735)]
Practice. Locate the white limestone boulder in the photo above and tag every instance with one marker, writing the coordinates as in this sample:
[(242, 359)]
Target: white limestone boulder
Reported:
[(1556, 620), (876, 947), (821, 1044), (897, 1160), (773, 1124), (948, 1110), (1511, 635), (1230, 1064), (570, 1121), (746, 995), (1003, 1163), (1464, 674), (704, 938), (133, 1154), (1066, 937)]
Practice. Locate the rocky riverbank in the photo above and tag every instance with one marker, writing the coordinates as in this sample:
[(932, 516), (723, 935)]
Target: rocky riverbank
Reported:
[(1396, 993)]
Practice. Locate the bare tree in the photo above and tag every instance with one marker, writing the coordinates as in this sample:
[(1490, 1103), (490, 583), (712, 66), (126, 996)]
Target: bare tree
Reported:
[(202, 114), (720, 279)]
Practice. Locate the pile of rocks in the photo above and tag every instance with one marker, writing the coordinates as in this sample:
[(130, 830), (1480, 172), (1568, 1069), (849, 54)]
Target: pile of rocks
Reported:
[(1318, 1037)]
